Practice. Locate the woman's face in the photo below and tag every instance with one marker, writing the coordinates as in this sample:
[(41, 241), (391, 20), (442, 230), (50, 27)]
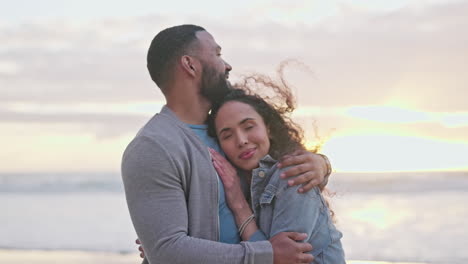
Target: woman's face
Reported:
[(242, 134)]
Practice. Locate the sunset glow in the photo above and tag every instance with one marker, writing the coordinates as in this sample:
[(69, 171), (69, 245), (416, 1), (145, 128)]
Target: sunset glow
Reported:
[(380, 88), (381, 153), (386, 94)]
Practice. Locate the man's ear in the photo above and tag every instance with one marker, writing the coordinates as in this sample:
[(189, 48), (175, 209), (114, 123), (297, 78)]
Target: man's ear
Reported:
[(189, 65)]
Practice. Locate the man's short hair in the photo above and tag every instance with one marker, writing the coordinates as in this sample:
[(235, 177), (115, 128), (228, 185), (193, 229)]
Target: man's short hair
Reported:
[(166, 47)]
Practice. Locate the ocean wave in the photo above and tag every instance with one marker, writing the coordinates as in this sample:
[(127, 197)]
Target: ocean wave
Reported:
[(340, 181), (396, 182), (60, 182)]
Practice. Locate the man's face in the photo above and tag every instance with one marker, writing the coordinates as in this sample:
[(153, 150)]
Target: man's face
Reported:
[(214, 83)]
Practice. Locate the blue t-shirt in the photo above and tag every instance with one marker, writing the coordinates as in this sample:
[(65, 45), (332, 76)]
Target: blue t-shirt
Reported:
[(227, 224)]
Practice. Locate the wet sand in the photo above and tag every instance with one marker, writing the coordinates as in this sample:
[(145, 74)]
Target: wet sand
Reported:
[(71, 257), (81, 257)]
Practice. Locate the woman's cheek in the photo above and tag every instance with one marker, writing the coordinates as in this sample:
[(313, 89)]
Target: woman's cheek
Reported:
[(227, 149)]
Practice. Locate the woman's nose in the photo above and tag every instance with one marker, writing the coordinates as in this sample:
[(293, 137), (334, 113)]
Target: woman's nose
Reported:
[(242, 140)]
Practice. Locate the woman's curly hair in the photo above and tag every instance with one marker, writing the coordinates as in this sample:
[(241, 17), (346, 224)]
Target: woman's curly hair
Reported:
[(275, 106), (275, 109)]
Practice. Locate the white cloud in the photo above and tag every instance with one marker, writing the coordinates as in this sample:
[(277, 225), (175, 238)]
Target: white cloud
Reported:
[(8, 68), (359, 56), (455, 120), (139, 108), (398, 115)]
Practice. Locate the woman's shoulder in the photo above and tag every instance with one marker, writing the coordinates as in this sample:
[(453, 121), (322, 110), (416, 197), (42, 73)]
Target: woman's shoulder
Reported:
[(281, 185)]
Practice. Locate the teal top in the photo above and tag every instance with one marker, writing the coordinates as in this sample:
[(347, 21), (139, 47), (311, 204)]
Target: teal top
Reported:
[(227, 224)]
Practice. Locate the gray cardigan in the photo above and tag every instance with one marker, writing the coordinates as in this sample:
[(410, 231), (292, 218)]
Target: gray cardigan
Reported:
[(172, 195)]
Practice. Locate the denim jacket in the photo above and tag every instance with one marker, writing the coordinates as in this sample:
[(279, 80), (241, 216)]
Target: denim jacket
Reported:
[(280, 208)]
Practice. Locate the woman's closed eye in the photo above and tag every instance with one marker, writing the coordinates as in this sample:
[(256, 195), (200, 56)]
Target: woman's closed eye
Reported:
[(248, 127), (226, 136)]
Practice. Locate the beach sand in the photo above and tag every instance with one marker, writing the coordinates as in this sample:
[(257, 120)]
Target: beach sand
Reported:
[(81, 257), (71, 257)]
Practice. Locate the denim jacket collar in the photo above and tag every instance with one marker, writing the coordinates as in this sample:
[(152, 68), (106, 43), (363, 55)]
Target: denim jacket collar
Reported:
[(261, 178), (267, 162)]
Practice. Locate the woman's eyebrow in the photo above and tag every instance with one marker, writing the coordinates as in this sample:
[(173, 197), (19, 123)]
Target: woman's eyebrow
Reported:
[(245, 120), (224, 130)]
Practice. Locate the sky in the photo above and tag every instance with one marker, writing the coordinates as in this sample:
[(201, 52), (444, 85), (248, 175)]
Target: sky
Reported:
[(382, 83)]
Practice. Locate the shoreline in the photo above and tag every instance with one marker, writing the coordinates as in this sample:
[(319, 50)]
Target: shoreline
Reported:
[(23, 256)]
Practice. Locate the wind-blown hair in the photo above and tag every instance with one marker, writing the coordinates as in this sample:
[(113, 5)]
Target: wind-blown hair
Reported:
[(285, 135)]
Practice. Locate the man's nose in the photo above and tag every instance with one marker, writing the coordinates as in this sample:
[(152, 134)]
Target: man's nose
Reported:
[(228, 66)]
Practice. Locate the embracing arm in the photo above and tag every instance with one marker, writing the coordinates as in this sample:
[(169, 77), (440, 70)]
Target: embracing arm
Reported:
[(311, 169), (158, 208)]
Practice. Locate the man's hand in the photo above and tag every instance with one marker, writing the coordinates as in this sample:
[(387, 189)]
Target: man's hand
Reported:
[(310, 169), (140, 248), (287, 250)]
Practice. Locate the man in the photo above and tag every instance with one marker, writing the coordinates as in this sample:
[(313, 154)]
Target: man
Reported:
[(175, 198)]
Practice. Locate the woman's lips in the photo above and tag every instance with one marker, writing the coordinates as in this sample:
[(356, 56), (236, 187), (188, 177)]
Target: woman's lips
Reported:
[(247, 154)]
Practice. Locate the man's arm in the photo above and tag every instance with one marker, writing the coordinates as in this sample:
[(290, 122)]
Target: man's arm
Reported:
[(310, 168), (157, 205)]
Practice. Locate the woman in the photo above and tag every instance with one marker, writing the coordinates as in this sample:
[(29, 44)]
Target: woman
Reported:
[(253, 134)]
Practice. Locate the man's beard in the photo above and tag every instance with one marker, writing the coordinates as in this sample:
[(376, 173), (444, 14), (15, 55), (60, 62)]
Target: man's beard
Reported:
[(214, 85)]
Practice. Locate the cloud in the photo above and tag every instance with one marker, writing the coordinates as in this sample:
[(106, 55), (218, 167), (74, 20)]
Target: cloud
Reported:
[(414, 55), (398, 115), (102, 125), (59, 61), (8, 68), (361, 57), (388, 114), (358, 56)]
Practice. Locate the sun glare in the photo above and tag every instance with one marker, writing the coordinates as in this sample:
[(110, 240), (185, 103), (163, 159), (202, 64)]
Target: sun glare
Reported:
[(378, 215), (382, 153)]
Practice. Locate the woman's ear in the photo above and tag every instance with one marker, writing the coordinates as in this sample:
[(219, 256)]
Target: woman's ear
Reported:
[(269, 134)]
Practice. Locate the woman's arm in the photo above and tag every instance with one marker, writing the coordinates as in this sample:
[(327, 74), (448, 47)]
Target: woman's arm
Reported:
[(234, 196), (307, 213), (295, 212), (242, 212)]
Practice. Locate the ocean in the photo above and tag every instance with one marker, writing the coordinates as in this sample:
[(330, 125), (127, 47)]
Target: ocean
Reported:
[(394, 217)]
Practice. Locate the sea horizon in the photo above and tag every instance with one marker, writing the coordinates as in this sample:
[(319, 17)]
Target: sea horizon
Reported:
[(386, 216)]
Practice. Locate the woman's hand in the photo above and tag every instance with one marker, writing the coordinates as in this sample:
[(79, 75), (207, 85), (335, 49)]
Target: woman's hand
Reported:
[(234, 196), (232, 186)]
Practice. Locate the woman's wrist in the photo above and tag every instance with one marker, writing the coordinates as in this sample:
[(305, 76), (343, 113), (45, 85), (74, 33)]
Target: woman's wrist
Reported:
[(247, 226), (237, 203), (241, 212)]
